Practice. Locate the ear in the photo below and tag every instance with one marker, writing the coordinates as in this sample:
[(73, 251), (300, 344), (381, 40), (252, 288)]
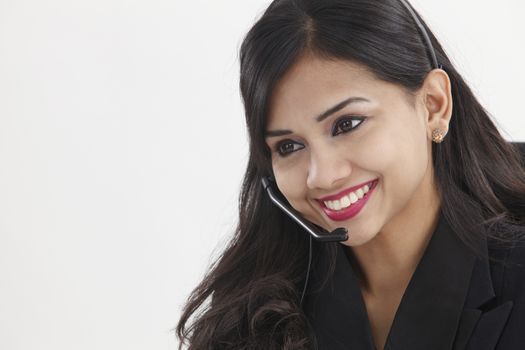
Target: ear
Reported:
[(437, 99)]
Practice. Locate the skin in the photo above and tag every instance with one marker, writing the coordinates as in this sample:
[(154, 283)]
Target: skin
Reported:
[(393, 144)]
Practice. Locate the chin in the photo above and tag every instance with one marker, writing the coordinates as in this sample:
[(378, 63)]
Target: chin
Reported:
[(356, 240), (353, 242)]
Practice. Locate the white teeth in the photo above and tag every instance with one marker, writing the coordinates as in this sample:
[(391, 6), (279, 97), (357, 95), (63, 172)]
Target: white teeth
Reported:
[(346, 201)]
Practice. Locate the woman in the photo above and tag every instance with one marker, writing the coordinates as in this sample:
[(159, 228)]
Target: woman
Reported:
[(359, 119)]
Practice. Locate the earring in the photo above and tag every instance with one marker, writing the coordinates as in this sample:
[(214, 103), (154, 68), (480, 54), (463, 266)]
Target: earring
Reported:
[(438, 136)]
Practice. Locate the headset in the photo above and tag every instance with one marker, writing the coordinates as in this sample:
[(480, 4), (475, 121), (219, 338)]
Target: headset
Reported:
[(339, 234)]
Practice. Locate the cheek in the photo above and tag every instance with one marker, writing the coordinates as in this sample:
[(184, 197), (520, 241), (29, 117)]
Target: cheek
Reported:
[(290, 181), (374, 152), (397, 154), (402, 160)]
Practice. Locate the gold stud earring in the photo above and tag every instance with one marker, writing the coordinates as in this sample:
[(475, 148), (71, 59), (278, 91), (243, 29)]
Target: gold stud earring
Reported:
[(438, 136)]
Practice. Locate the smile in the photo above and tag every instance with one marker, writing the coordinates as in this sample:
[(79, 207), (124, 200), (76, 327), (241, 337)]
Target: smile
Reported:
[(348, 203)]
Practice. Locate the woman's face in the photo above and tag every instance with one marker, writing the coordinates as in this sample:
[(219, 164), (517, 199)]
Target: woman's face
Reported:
[(349, 150)]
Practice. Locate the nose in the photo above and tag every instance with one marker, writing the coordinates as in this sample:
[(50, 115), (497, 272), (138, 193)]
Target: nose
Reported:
[(327, 168)]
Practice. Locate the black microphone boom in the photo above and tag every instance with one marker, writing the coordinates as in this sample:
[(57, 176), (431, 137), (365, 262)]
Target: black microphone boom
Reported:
[(338, 235)]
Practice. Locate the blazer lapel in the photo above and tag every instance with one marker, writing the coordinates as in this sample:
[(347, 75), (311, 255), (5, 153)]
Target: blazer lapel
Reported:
[(489, 328), (335, 307), (483, 319), (467, 322), (431, 308), (449, 303)]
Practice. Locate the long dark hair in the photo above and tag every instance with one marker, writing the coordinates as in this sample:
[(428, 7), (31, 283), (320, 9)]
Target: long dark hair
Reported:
[(249, 299)]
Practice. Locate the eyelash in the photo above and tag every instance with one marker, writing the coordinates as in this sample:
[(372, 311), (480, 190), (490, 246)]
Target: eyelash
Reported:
[(341, 120), (336, 130)]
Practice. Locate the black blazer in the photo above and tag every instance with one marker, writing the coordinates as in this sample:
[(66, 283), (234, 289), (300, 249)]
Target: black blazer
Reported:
[(455, 300)]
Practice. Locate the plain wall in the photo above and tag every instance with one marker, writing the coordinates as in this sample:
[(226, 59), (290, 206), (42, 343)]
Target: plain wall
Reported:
[(123, 145)]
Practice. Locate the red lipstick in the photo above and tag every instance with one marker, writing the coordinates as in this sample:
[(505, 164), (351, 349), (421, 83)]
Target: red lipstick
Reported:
[(352, 210), (345, 192)]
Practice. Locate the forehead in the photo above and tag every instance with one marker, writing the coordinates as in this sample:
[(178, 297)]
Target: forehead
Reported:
[(309, 67), (312, 84)]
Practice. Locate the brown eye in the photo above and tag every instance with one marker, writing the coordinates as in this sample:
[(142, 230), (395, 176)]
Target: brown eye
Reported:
[(346, 124), (287, 147)]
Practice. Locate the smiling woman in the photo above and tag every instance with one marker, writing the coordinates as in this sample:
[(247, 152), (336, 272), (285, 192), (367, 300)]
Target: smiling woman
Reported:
[(358, 116), (377, 140)]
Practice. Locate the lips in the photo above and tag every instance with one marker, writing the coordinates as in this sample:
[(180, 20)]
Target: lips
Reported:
[(346, 191), (348, 203)]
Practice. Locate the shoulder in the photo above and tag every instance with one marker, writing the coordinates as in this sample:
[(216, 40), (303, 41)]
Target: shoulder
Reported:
[(509, 281), (508, 263), (514, 267)]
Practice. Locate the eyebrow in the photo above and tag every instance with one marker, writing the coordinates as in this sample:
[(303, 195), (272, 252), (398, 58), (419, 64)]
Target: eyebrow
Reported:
[(322, 116)]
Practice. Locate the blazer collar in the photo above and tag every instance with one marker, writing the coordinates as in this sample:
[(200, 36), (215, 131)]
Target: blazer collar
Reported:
[(441, 286)]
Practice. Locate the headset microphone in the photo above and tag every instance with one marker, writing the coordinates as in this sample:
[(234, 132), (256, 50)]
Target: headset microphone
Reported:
[(338, 235)]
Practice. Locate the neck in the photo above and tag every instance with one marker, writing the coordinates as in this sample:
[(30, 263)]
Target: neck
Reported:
[(386, 263)]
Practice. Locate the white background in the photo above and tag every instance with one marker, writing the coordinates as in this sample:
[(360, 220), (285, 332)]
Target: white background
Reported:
[(122, 148)]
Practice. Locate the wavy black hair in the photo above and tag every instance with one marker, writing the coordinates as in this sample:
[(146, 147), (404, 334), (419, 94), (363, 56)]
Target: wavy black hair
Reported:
[(249, 299)]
